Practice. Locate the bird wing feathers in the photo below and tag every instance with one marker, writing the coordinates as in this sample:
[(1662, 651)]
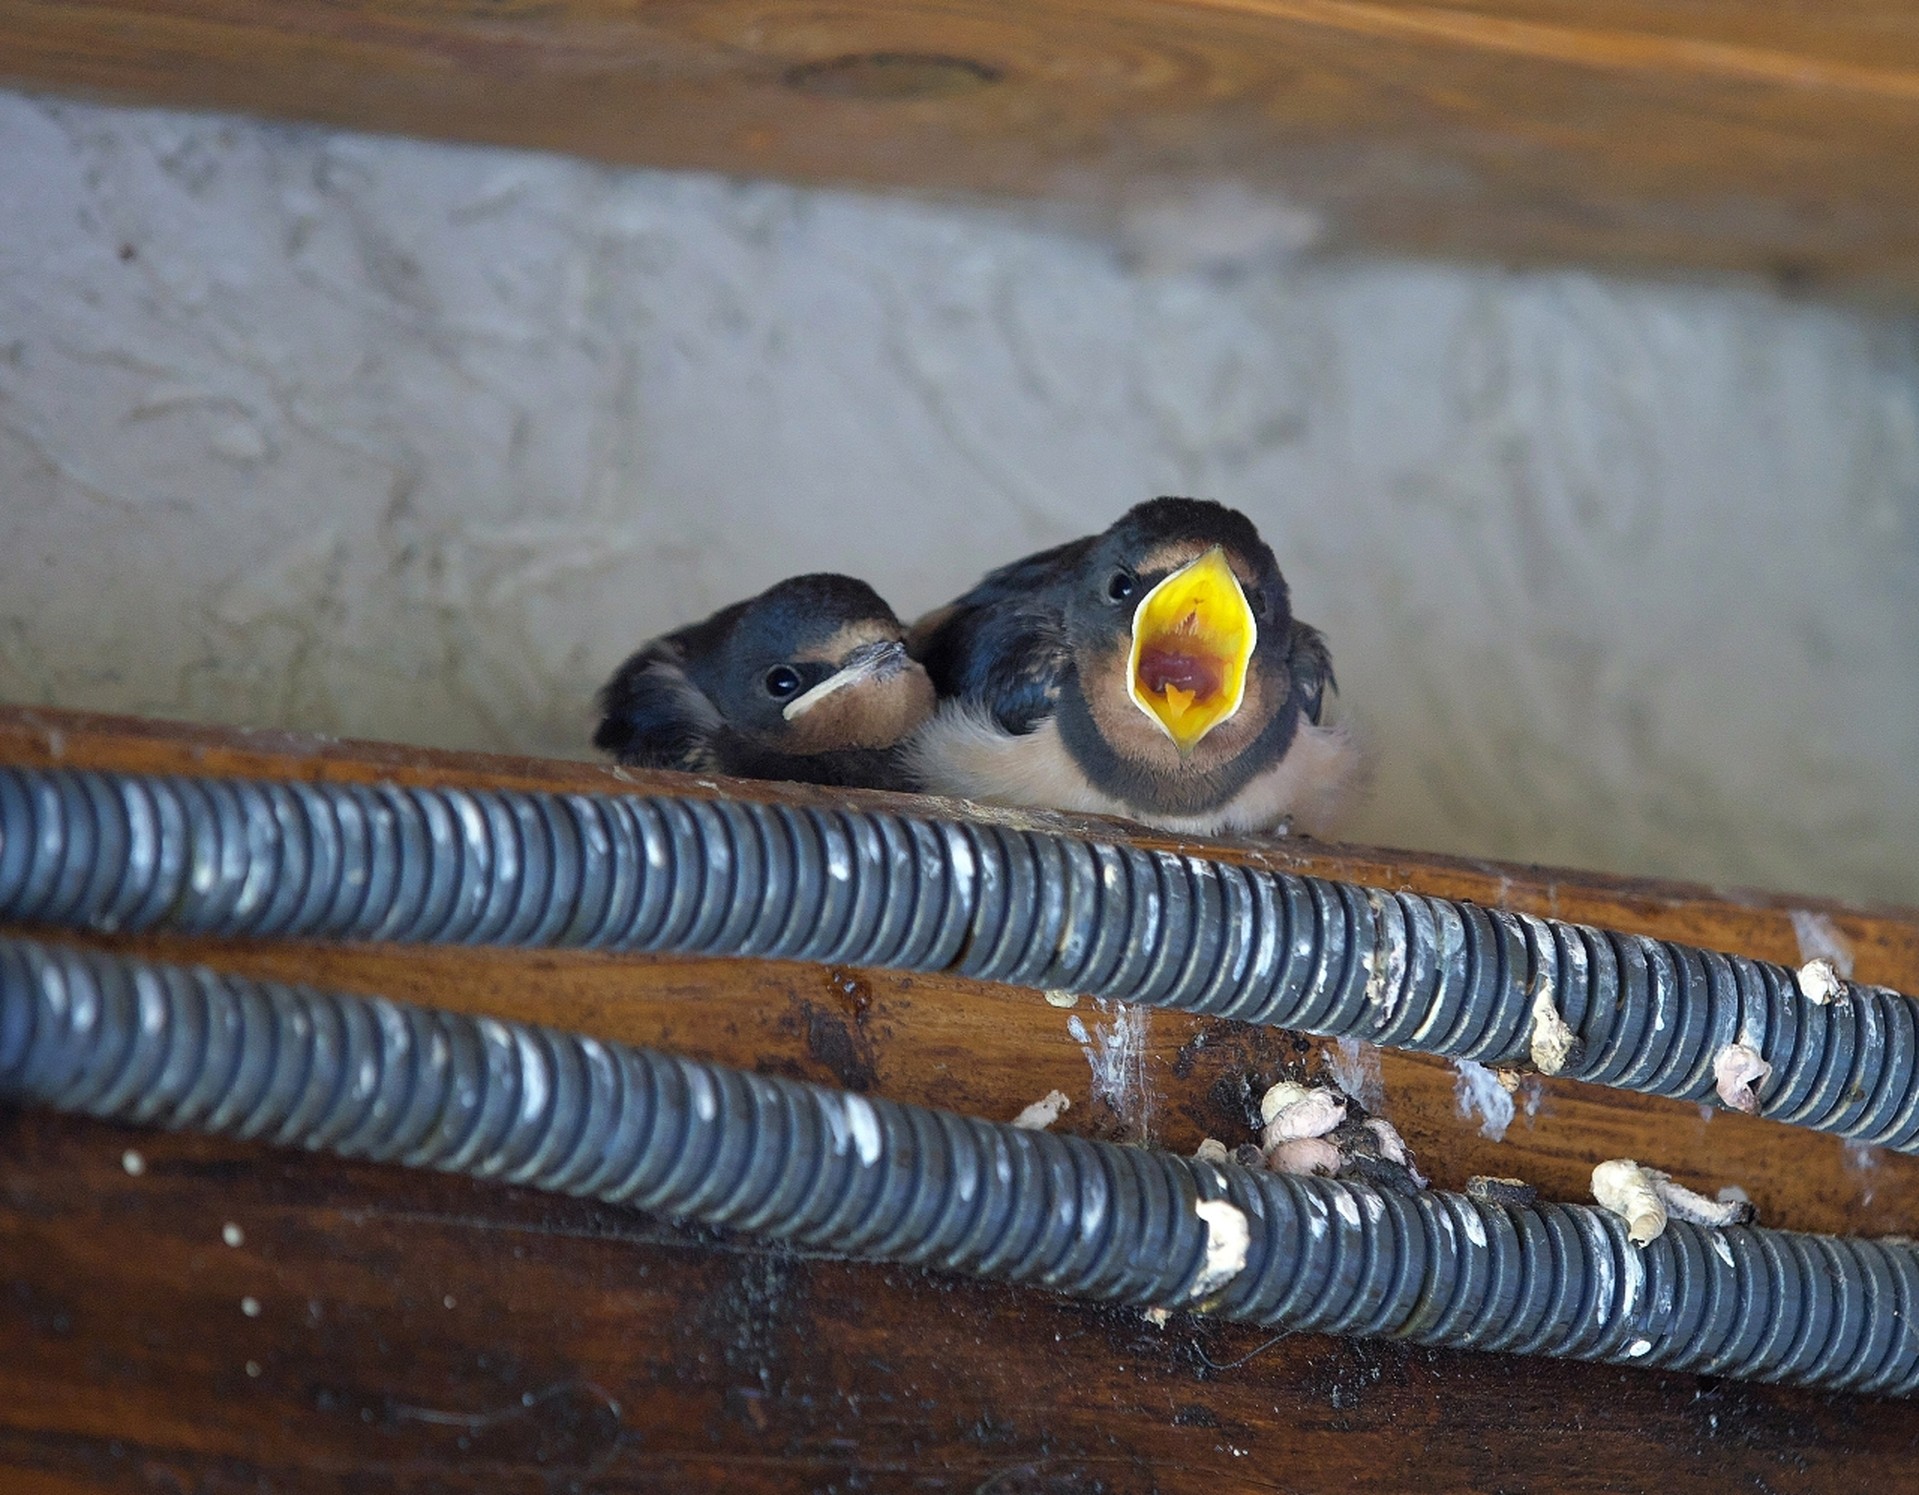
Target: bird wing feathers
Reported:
[(1002, 646), (655, 717), (1312, 669)]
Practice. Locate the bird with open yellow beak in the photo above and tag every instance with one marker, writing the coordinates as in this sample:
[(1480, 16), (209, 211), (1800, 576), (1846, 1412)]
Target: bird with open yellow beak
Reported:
[(1154, 671)]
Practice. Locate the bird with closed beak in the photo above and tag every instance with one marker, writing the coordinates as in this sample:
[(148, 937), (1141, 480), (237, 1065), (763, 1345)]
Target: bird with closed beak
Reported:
[(809, 681), (1154, 671)]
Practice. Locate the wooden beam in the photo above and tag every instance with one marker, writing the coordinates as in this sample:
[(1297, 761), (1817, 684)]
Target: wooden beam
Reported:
[(425, 1333), (588, 1344), (1727, 134)]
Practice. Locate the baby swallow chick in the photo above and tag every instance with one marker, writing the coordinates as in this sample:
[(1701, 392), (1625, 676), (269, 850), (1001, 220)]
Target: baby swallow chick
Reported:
[(808, 681), (1154, 671)]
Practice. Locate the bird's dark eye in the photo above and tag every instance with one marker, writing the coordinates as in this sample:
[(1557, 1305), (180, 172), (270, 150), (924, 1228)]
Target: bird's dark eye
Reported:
[(782, 682), (1263, 606), (1121, 585)]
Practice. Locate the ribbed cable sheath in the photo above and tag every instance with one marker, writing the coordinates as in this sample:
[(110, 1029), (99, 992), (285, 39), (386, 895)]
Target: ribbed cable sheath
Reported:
[(190, 1049), (993, 902)]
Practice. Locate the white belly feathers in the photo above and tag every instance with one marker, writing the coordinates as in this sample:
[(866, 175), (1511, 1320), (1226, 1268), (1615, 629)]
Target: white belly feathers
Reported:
[(962, 752)]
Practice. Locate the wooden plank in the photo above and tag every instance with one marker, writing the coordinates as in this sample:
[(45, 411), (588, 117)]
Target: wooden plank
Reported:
[(657, 1360), (1729, 133), (425, 1333), (418, 1333), (988, 1050)]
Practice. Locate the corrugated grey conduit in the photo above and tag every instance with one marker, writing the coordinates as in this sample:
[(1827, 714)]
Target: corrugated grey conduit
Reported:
[(993, 902), (361, 1077)]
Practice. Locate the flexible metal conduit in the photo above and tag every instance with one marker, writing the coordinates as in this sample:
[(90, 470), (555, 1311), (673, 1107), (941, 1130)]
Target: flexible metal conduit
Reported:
[(191, 1049), (996, 903)]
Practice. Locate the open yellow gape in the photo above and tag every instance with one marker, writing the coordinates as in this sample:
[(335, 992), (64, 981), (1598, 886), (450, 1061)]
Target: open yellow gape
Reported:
[(1193, 638)]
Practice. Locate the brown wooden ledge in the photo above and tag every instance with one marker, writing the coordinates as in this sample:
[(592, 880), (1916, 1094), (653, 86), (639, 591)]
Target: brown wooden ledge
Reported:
[(420, 1332), (1730, 134)]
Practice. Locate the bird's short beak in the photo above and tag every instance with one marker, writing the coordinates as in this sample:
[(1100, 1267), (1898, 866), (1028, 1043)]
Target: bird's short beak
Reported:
[(875, 661), (1193, 638)]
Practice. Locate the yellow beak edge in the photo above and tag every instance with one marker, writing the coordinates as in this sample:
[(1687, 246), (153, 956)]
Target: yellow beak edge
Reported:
[(1197, 628)]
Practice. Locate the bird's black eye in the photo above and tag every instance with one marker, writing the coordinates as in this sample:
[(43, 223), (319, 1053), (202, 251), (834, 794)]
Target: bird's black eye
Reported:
[(1121, 585), (782, 682)]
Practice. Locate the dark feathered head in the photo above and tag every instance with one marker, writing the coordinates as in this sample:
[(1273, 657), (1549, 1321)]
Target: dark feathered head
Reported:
[(1179, 624), (813, 664)]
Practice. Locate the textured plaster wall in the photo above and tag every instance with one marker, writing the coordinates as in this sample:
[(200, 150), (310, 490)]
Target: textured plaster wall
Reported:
[(395, 439)]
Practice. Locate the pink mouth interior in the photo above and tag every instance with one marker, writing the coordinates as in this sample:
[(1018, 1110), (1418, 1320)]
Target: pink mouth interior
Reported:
[(1199, 674)]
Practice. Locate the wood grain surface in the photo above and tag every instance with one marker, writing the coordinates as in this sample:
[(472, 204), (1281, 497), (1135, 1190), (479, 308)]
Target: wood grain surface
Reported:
[(415, 1332), (424, 1334), (1731, 134)]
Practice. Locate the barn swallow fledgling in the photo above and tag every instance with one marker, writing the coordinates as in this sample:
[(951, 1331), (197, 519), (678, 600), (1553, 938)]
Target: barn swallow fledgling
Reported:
[(1154, 671), (809, 681)]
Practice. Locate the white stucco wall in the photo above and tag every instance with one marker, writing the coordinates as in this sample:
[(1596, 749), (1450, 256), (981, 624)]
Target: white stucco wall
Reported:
[(404, 440)]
